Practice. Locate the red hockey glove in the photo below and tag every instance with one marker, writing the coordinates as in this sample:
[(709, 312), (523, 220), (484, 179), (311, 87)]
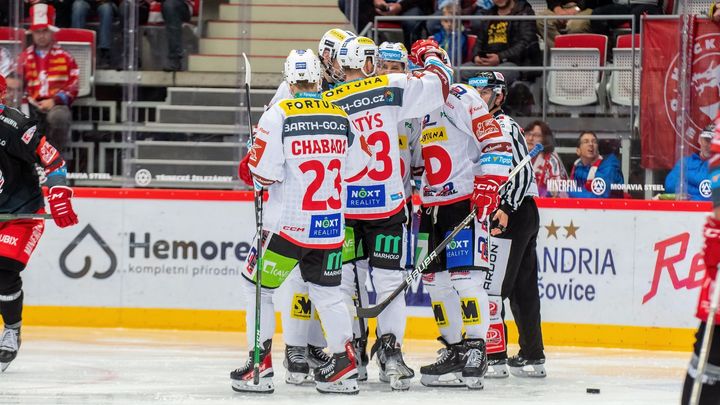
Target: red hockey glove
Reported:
[(711, 250), (60, 206), (486, 195), (244, 171), (422, 48)]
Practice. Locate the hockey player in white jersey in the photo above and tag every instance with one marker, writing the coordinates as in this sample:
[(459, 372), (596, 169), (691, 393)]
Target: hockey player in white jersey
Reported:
[(457, 141), (375, 206), (302, 331), (304, 151)]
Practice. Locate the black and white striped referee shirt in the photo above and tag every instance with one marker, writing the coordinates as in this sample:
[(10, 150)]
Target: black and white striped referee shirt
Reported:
[(523, 185)]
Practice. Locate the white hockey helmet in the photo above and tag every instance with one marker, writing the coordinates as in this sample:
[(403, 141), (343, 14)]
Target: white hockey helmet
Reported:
[(302, 66), (393, 52), (328, 49), (355, 51)]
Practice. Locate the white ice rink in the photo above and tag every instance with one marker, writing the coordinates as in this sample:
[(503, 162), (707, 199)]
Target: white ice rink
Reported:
[(118, 366)]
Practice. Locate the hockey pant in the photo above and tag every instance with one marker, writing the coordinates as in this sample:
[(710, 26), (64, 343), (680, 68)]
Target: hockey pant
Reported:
[(300, 319)]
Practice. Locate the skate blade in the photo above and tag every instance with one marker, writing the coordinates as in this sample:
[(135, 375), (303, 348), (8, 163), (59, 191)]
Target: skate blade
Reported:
[(529, 371), (346, 387), (265, 386), (397, 383), (445, 380), (298, 378), (362, 375), (3, 367), (497, 372), (474, 383)]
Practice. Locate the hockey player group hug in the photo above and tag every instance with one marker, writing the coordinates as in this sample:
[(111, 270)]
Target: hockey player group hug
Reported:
[(349, 134)]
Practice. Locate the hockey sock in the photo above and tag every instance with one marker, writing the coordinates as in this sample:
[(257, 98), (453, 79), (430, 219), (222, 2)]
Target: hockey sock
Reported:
[(297, 311), (347, 287), (267, 313), (334, 315), (393, 318), (11, 307), (473, 302), (445, 305), (316, 334)]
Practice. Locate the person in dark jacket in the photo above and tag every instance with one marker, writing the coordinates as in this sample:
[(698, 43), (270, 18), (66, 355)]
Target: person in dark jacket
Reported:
[(634, 7), (696, 170), (505, 43), (565, 7)]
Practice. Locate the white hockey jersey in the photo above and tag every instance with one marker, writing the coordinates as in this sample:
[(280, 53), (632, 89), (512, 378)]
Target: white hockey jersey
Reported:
[(282, 92), (456, 142), (376, 105), (407, 130), (307, 148)]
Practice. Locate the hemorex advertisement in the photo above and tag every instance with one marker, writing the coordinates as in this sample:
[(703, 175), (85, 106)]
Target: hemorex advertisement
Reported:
[(614, 267)]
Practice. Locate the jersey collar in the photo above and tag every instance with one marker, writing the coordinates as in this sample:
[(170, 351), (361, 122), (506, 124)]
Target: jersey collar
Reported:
[(308, 94)]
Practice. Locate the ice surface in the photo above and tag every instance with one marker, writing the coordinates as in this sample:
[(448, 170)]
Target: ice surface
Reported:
[(118, 366)]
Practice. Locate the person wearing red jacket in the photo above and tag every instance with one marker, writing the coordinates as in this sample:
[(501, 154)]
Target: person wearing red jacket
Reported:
[(711, 254), (51, 77)]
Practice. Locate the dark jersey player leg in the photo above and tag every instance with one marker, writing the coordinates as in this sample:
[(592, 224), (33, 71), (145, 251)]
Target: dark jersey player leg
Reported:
[(22, 150)]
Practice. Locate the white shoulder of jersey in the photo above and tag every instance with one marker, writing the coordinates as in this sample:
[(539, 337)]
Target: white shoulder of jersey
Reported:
[(282, 92)]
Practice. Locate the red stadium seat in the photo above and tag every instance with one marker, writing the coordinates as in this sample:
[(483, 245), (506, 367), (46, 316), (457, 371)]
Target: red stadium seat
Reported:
[(471, 40), (81, 45), (584, 41), (625, 41)]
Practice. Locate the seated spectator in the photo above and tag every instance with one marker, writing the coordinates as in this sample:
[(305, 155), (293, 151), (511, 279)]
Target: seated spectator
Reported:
[(634, 7), (549, 171), (451, 34), (593, 174), (51, 78), (175, 13), (505, 43), (412, 29), (696, 170), (467, 7), (560, 8), (107, 11)]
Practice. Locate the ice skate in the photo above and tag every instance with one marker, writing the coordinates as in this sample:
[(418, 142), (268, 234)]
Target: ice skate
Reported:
[(476, 363), (522, 367), (242, 378), (362, 358), (316, 357), (392, 367), (296, 364), (497, 368), (9, 346), (339, 374), (447, 370)]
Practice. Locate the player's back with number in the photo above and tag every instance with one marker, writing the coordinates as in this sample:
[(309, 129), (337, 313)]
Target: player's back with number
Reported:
[(306, 148)]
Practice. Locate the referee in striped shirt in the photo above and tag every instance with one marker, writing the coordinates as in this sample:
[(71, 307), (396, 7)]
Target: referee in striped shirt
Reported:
[(517, 219)]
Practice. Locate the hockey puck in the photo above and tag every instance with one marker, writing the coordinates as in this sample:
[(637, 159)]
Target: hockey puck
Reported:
[(592, 390)]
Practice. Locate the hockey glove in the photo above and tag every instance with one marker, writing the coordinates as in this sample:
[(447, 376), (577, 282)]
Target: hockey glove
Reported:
[(486, 195), (422, 48), (244, 171), (60, 206), (711, 250)]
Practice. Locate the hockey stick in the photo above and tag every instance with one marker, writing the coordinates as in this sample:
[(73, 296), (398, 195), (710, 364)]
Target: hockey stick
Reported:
[(705, 347), (13, 217), (373, 312), (258, 247)]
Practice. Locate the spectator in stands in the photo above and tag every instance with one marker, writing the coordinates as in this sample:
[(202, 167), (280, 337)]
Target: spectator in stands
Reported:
[(51, 78), (504, 42), (560, 8), (593, 174), (549, 170), (451, 34), (175, 13), (62, 10), (107, 11), (412, 29), (467, 7), (696, 170), (634, 7), (715, 12)]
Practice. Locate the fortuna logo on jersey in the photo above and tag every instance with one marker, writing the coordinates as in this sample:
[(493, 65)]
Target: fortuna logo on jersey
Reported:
[(433, 135), (318, 146)]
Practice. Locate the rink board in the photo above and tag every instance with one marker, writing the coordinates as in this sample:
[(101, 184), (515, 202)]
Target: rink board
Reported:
[(617, 273)]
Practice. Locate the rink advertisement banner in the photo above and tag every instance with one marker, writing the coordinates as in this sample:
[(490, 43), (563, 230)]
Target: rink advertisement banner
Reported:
[(660, 91), (601, 262)]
